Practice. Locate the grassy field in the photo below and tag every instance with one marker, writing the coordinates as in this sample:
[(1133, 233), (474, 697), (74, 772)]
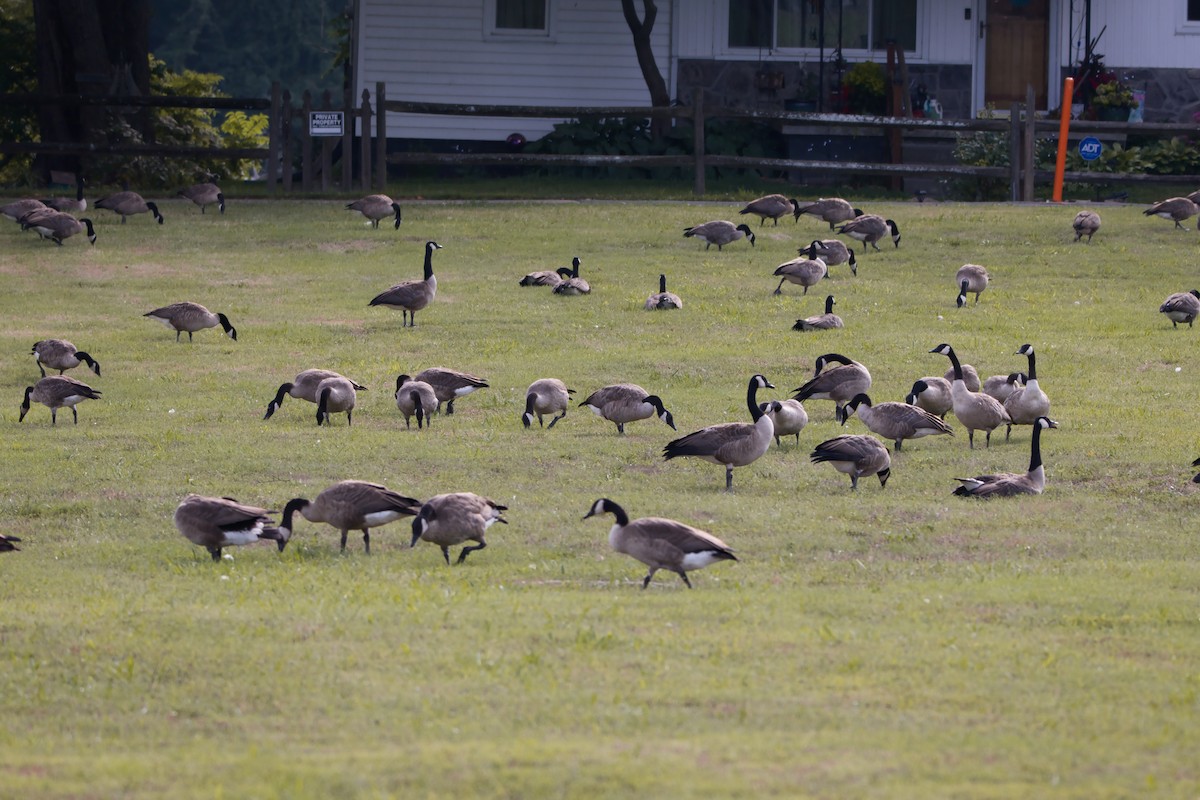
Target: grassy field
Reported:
[(896, 642)]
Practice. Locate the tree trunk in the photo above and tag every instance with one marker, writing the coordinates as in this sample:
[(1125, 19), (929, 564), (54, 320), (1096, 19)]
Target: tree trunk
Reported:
[(641, 29)]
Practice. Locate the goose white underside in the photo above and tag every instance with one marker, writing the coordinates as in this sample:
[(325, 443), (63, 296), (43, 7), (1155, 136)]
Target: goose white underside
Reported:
[(73, 400), (699, 560), (378, 518), (164, 321), (464, 390), (244, 536)]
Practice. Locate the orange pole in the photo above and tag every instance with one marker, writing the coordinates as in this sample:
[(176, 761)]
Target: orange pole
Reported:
[(1064, 125)]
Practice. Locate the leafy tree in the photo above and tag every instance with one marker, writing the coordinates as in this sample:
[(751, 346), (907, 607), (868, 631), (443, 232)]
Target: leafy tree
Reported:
[(17, 123)]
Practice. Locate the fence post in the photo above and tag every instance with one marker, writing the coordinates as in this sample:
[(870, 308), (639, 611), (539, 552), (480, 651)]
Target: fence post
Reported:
[(380, 139), (326, 145), (286, 166), (348, 141), (306, 143), (364, 140), (698, 141), (1030, 142), (274, 125), (1014, 152)]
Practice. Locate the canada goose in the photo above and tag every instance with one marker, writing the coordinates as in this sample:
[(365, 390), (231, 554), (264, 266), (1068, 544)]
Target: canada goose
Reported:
[(6, 543), (1006, 484), (450, 384), (411, 296), (664, 300), (895, 421), (550, 277), (1029, 402), (127, 204), (720, 233), (415, 397), (32, 219), (1195, 478), (627, 402), (204, 195), (772, 206), (731, 444), (57, 391), (1194, 197), (970, 278), (1181, 307), (449, 519), (803, 271), (788, 417), (661, 543), (975, 410), (335, 395), (375, 207), (1086, 224), (303, 387), (1176, 209), (822, 322), (217, 522), (970, 378), (830, 209), (546, 396), (832, 252), (858, 456), (838, 384), (19, 208), (61, 355), (931, 394), (1001, 387), (58, 225), (351, 505), (573, 284), (69, 205), (191, 317), (869, 229)]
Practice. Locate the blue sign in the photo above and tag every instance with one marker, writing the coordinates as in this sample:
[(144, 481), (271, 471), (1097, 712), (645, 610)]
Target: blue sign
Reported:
[(1089, 148)]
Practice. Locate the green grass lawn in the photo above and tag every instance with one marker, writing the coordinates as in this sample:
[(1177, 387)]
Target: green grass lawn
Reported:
[(896, 642)]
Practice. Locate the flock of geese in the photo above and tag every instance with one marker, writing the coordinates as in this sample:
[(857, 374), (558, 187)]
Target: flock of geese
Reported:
[(460, 518)]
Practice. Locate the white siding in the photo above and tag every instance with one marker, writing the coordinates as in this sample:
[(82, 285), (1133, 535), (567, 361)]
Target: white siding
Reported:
[(1138, 34), (436, 51)]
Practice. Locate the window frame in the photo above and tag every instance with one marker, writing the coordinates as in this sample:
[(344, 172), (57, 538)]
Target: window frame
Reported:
[(494, 33), (849, 53), (1183, 25)]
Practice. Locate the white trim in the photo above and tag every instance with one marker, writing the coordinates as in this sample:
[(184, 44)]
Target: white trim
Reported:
[(1183, 25), (721, 46), (492, 33)]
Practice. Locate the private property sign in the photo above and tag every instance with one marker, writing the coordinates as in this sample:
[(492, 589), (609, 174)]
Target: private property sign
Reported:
[(326, 123)]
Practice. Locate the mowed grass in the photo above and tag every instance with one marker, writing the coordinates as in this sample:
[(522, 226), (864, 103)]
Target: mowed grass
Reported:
[(883, 643)]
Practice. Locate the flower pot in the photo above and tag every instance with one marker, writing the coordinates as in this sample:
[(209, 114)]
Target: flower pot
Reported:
[(1112, 114)]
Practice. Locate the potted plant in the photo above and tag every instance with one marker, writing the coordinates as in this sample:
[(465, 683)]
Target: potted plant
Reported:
[(865, 84), (1112, 101)]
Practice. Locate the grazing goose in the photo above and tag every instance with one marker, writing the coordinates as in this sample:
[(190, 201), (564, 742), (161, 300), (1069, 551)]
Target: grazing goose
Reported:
[(449, 519), (1194, 197), (931, 394), (1176, 209), (830, 209), (20, 208), (303, 387), (61, 355), (661, 543), (450, 384), (6, 543), (788, 418), (351, 505), (1001, 387), (217, 522), (546, 396), (1029, 402), (69, 205), (191, 317), (838, 384), (858, 456), (627, 402), (204, 195), (720, 233), (1195, 478), (832, 252), (335, 395), (664, 300), (375, 207), (975, 410), (895, 421), (411, 296), (127, 204), (822, 322), (869, 229), (731, 444), (573, 284), (1181, 307), (550, 277), (58, 225), (970, 278), (970, 377), (1007, 484), (1086, 224), (57, 391), (771, 206), (415, 398), (803, 271)]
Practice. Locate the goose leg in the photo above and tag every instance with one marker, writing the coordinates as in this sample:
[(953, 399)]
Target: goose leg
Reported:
[(43, 370), (649, 575), (463, 555), (779, 288), (853, 481), (556, 419), (621, 428), (899, 442), (446, 555), (367, 540), (349, 414), (1008, 432), (450, 406), (877, 250), (75, 415), (215, 552), (989, 440), (54, 416), (345, 532), (971, 437), (686, 582), (728, 477)]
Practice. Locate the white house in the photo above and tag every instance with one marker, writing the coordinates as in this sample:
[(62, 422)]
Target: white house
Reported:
[(966, 53)]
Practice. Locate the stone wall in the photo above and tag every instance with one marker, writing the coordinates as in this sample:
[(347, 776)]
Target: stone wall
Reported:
[(1172, 95)]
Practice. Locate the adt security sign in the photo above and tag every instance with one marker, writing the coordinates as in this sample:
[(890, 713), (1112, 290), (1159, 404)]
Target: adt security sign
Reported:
[(325, 123), (1089, 148)]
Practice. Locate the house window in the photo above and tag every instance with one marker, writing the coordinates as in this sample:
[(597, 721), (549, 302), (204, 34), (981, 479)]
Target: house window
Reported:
[(517, 17), (795, 24), (1193, 10)]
